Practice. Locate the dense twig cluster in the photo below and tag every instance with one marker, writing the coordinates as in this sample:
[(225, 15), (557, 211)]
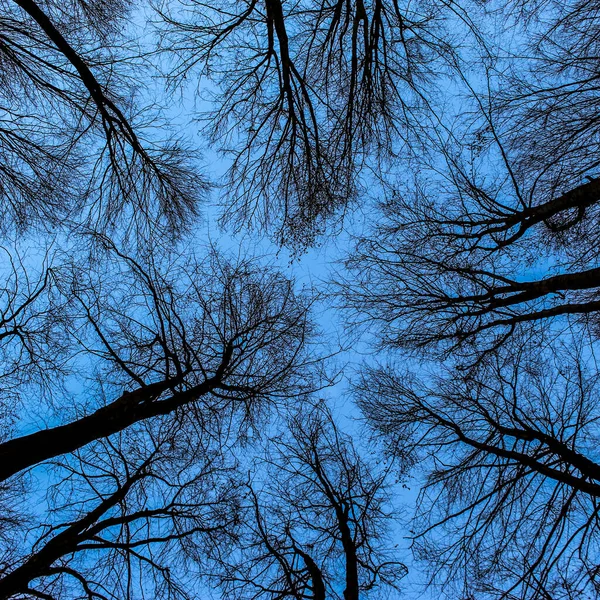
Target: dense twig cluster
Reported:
[(73, 143), (308, 93), (316, 526)]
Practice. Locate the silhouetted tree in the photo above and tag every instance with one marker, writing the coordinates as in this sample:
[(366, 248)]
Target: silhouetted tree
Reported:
[(212, 337), (508, 453), (74, 142), (127, 516), (547, 104), (496, 226), (316, 520), (306, 95), (163, 365), (464, 259), (483, 265)]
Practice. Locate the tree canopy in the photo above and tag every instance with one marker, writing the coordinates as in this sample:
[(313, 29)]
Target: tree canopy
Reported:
[(182, 416)]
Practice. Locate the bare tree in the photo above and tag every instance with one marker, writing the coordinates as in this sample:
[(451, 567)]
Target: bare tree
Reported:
[(127, 516), (164, 364), (210, 340), (507, 450), (485, 260), (74, 143), (307, 94), (548, 101), (471, 251), (316, 520)]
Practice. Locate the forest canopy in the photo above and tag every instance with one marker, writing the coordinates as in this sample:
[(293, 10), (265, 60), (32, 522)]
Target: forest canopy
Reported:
[(299, 300)]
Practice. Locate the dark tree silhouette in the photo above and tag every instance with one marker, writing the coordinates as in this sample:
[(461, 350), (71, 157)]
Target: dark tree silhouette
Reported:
[(470, 253), (548, 105), (162, 364), (131, 373), (316, 520), (211, 339), (74, 143), (485, 262), (32, 320), (307, 94), (509, 505), (125, 517)]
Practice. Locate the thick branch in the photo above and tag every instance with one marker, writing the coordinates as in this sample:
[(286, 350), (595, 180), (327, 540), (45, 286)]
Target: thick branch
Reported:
[(110, 113), (578, 483), (29, 450), (60, 545)]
